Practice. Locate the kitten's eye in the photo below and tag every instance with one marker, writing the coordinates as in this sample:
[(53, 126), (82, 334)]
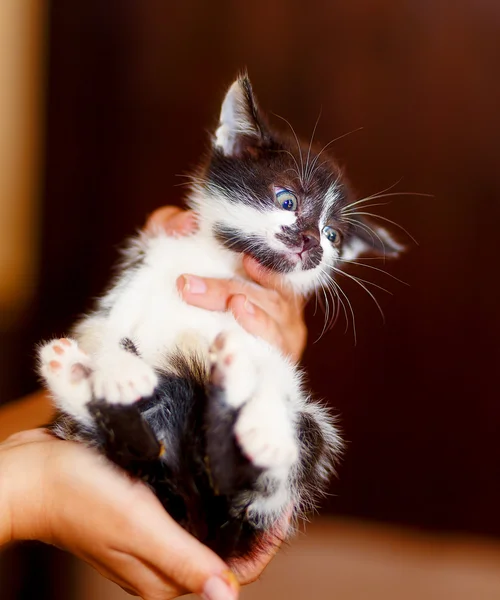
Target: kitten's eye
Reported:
[(285, 199), (332, 235)]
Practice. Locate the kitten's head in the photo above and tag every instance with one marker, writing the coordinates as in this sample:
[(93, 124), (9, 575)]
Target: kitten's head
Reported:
[(283, 202)]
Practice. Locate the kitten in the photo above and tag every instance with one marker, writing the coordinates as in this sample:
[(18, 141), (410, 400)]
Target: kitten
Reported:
[(216, 421)]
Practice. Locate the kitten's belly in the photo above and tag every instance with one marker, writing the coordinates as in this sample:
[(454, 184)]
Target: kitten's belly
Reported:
[(151, 310)]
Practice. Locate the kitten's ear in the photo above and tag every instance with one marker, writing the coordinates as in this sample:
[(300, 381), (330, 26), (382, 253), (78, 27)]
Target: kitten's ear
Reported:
[(367, 238), (240, 126)]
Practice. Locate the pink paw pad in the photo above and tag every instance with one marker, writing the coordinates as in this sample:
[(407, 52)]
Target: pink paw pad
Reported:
[(79, 372)]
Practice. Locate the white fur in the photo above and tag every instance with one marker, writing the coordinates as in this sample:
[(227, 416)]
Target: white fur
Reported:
[(64, 367), (122, 377), (267, 389), (145, 306)]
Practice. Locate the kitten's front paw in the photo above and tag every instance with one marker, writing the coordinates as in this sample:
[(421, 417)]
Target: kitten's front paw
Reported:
[(66, 370), (123, 378), (232, 368), (265, 434)]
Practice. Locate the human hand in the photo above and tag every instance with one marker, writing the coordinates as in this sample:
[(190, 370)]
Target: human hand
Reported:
[(65, 494), (263, 306)]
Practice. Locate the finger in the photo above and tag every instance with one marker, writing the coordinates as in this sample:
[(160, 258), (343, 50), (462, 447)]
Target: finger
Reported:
[(129, 583), (290, 338), (256, 321), (266, 278), (214, 294), (181, 558), (133, 576), (250, 569), (172, 220)]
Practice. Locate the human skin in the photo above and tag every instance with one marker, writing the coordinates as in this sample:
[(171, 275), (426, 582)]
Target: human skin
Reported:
[(65, 494)]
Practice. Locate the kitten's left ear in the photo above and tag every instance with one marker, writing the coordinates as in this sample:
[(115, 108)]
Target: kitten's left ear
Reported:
[(367, 238), (240, 125)]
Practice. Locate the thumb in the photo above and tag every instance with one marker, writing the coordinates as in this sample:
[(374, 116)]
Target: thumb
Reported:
[(183, 559), (270, 279), (261, 275)]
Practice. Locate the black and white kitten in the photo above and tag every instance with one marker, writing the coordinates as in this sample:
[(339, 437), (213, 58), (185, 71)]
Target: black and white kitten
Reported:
[(215, 420)]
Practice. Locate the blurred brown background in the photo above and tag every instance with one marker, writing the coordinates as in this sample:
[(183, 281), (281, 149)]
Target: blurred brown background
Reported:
[(130, 90)]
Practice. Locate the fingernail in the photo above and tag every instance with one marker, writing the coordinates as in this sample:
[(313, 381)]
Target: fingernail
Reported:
[(194, 285), (216, 588), (249, 307), (230, 578)]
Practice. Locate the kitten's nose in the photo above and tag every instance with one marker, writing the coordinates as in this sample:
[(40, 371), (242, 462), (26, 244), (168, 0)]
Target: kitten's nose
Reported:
[(309, 240)]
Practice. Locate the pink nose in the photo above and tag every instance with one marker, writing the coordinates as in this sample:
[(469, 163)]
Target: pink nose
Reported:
[(309, 241)]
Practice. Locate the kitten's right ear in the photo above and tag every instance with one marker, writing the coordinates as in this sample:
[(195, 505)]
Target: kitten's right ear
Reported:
[(240, 127)]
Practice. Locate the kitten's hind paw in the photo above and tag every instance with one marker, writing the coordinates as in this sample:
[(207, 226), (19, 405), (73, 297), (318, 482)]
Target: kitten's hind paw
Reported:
[(265, 434), (66, 370), (129, 439), (123, 378)]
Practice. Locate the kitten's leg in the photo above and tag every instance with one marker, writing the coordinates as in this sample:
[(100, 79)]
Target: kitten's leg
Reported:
[(258, 382), (262, 389), (122, 377), (289, 437), (66, 371)]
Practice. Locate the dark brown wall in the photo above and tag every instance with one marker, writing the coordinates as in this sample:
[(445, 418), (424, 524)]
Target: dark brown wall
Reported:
[(133, 88)]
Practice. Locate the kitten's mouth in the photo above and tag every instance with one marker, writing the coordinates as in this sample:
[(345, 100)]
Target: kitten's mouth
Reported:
[(302, 259), (285, 257), (303, 249), (307, 256)]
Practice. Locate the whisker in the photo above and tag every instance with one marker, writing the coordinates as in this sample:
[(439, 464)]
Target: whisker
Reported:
[(371, 232), (368, 282), (298, 146), (335, 313), (335, 317), (316, 158), (392, 223), (372, 196), (380, 195), (356, 280), (339, 287), (326, 309), (296, 163), (310, 144), (353, 212), (358, 264)]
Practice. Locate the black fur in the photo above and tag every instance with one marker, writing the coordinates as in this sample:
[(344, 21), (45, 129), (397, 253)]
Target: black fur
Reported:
[(181, 443), (238, 242)]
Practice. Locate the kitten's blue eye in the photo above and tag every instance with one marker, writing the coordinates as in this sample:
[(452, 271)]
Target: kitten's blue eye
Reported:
[(332, 235), (285, 199)]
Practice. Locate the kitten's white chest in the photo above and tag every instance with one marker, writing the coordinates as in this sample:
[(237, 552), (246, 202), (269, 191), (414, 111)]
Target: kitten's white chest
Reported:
[(158, 319)]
